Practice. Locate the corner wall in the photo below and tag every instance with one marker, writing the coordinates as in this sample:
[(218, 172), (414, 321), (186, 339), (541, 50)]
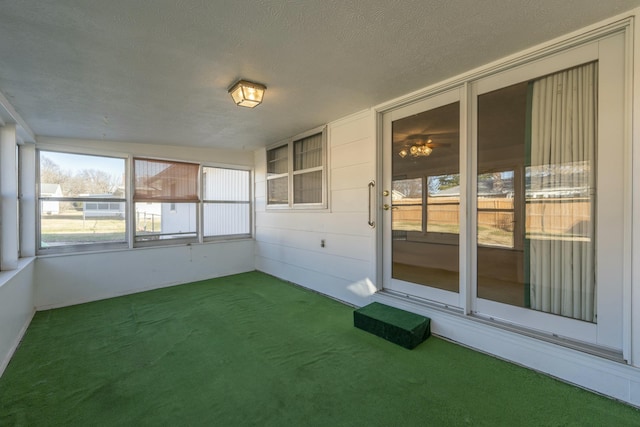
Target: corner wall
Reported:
[(288, 241)]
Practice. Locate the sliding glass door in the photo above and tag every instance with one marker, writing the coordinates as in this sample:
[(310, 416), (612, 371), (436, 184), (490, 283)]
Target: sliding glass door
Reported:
[(518, 218)]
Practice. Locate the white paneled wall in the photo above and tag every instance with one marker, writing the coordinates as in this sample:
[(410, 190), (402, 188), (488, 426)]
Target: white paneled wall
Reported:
[(288, 242)]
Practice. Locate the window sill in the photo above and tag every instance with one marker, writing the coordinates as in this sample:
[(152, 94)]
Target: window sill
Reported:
[(306, 209), (7, 275), (139, 248)]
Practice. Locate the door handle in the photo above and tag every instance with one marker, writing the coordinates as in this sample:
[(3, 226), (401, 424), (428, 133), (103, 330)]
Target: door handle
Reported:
[(371, 222)]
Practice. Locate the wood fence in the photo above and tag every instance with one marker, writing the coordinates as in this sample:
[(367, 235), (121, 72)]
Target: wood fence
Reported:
[(561, 216)]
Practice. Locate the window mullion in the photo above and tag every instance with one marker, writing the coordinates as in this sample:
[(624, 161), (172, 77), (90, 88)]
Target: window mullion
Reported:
[(469, 196), (290, 177), (314, 169)]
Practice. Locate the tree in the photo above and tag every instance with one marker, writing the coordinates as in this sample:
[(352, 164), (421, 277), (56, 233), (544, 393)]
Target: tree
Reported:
[(410, 188), (86, 181), (449, 181), (50, 173), (443, 182), (94, 181)]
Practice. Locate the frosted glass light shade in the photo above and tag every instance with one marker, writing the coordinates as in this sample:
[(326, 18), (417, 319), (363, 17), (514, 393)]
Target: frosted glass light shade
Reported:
[(247, 94)]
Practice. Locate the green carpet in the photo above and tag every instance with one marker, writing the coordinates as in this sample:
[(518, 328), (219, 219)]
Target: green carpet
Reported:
[(252, 350)]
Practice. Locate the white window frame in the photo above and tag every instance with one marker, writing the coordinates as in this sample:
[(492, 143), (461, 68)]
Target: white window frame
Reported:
[(204, 201), (289, 143), (129, 203), (82, 247), (188, 238)]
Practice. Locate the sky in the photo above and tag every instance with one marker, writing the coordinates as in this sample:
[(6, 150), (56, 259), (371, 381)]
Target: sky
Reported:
[(77, 162)]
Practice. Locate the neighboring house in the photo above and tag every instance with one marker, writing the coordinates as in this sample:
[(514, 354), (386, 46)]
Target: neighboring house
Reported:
[(103, 208), (178, 217), (51, 207)]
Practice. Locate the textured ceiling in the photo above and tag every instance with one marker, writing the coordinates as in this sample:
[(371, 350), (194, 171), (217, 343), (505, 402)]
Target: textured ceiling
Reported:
[(157, 71)]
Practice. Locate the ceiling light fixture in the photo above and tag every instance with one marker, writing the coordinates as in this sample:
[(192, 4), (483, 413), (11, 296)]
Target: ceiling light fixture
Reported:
[(247, 94), (420, 149)]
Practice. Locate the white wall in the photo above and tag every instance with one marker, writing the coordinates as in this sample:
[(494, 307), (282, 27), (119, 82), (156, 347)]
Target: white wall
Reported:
[(16, 308), (62, 280), (288, 242)]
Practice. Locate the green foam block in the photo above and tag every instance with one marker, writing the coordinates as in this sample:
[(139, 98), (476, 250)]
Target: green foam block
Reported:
[(398, 326)]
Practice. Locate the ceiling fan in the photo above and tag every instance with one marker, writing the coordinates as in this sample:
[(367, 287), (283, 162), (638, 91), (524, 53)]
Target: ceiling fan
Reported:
[(420, 145)]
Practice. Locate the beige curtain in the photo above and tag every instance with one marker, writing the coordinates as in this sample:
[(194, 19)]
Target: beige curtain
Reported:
[(165, 181), (307, 186), (560, 193)]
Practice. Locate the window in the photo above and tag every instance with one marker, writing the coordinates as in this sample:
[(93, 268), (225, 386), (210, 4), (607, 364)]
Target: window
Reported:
[(82, 202), (226, 202), (296, 172), (165, 200), (278, 176), (307, 170), (496, 209), (407, 198), (443, 204), (441, 209), (75, 193)]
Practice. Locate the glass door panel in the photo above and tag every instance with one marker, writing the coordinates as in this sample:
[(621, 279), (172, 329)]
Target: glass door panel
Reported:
[(550, 155), (501, 157), (423, 207)]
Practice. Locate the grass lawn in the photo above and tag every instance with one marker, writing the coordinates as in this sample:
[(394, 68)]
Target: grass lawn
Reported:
[(72, 227)]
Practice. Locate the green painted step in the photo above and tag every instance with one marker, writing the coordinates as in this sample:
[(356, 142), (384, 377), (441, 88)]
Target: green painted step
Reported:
[(395, 325)]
